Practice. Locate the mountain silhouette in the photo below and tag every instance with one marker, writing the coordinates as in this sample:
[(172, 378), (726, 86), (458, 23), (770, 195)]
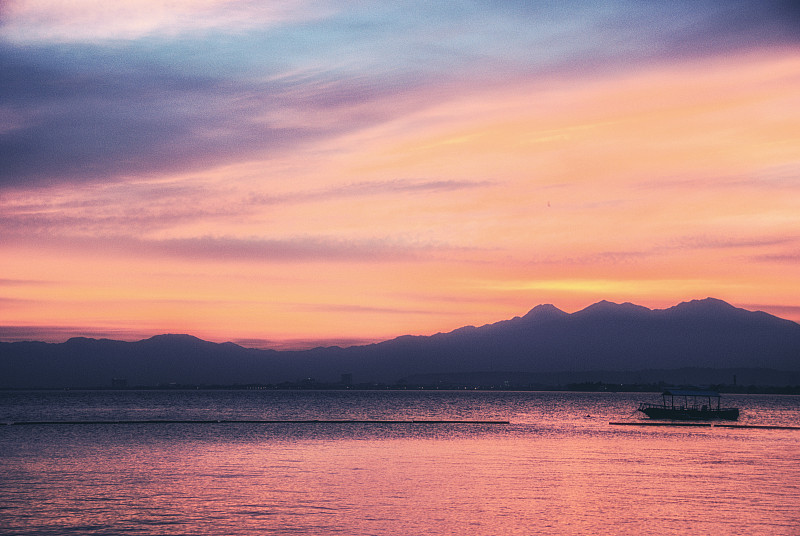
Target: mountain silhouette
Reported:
[(546, 342)]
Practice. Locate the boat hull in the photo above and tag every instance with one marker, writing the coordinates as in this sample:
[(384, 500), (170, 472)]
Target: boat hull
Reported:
[(689, 414)]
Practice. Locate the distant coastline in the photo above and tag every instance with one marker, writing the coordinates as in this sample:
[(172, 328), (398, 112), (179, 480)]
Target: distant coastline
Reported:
[(586, 387)]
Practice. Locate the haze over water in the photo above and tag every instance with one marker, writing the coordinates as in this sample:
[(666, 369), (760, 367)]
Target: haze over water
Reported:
[(558, 467)]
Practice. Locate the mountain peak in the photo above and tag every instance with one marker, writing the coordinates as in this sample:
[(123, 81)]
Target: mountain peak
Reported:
[(606, 307), (545, 310), (708, 306), (707, 303), (172, 337)]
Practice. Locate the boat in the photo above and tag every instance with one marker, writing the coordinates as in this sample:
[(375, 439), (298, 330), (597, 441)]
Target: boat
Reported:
[(686, 405)]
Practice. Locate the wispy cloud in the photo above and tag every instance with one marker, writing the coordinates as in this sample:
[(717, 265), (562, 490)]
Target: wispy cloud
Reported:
[(139, 208), (726, 242), (791, 258), (147, 208), (301, 249), (260, 85), (771, 178), (370, 189), (29, 21), (99, 125), (364, 309), (24, 282), (253, 250)]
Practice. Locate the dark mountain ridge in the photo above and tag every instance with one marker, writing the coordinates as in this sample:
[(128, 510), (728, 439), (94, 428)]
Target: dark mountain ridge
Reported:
[(707, 334)]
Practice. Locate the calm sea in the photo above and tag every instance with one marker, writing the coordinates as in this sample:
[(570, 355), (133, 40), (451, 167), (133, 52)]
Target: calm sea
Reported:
[(559, 467)]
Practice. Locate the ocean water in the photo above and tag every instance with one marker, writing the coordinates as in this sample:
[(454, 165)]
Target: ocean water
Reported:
[(557, 468)]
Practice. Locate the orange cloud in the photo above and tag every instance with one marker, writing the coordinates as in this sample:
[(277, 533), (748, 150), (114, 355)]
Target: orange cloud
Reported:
[(653, 186)]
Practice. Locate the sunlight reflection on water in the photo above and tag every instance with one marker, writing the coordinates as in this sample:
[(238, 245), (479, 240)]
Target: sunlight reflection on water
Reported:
[(558, 468)]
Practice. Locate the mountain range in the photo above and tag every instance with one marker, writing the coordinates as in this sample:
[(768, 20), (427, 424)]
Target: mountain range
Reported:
[(700, 341)]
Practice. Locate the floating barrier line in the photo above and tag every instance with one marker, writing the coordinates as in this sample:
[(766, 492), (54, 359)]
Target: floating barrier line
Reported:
[(756, 426), (761, 426), (661, 423), (260, 421)]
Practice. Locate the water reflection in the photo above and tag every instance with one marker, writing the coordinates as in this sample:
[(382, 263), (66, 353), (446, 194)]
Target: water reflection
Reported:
[(558, 468)]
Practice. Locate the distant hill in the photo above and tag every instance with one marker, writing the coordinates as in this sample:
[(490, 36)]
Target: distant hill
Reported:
[(603, 342)]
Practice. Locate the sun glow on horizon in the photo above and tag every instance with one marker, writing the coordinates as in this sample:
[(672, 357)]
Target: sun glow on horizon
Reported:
[(349, 174)]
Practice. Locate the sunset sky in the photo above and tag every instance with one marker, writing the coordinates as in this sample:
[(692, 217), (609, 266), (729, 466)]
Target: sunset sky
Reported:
[(292, 174)]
